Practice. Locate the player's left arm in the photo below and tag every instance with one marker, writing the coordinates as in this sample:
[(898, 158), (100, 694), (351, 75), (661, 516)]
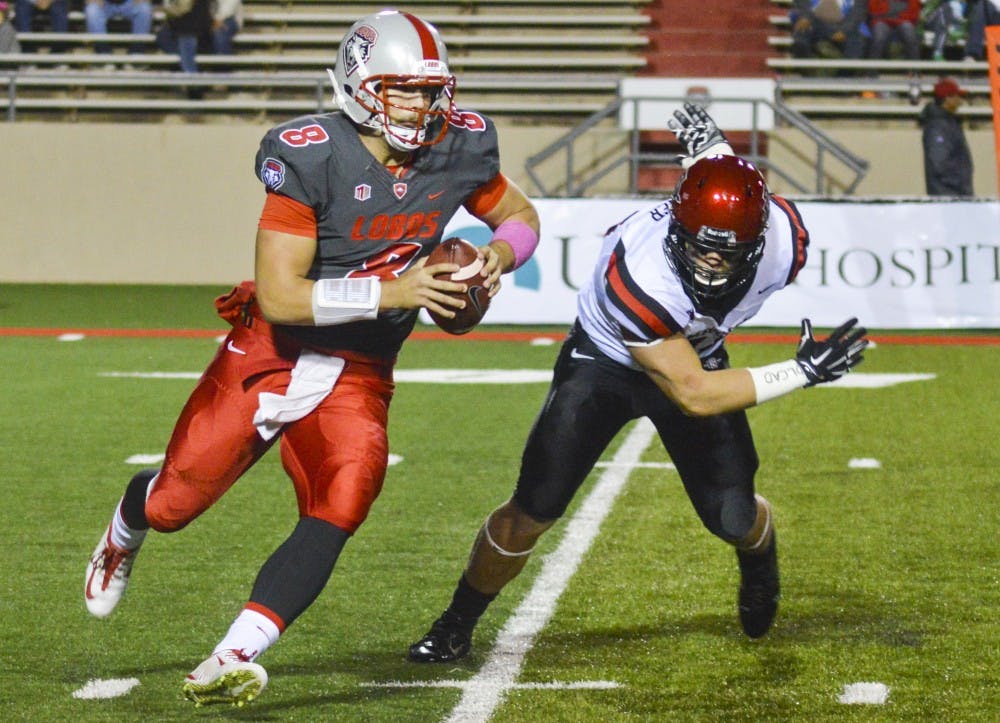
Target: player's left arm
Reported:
[(674, 366), (505, 208)]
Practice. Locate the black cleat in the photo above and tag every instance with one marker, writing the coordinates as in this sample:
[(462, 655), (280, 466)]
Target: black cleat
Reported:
[(448, 639), (759, 590)]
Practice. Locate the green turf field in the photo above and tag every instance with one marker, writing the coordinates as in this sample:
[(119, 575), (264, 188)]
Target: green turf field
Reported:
[(891, 574)]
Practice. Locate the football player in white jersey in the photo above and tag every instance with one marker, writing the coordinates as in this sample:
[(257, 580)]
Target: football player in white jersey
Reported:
[(670, 283), (356, 200)]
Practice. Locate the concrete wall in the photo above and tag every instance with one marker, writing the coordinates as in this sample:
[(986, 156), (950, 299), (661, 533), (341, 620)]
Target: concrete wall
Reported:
[(128, 203), (146, 203), (179, 203), (896, 159)]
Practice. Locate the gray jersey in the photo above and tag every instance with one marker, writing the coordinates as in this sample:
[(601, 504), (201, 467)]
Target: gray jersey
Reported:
[(370, 222), (634, 293)]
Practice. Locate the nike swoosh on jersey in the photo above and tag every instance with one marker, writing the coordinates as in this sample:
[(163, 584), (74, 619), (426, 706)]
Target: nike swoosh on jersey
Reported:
[(233, 348), (434, 196), (577, 355)]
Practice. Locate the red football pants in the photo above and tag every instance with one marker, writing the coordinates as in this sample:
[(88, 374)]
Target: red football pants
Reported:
[(336, 455)]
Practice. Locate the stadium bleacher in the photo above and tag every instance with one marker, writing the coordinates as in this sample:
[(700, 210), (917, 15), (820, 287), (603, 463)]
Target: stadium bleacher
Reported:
[(891, 89), (525, 58)]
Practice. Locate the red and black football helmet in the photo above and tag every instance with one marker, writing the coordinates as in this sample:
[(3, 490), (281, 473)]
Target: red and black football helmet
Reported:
[(720, 206)]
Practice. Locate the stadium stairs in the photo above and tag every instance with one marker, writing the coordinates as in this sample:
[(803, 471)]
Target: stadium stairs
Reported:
[(703, 38)]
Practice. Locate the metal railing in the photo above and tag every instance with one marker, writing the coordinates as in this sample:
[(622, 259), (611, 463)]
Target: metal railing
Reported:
[(47, 90), (134, 91), (576, 181)]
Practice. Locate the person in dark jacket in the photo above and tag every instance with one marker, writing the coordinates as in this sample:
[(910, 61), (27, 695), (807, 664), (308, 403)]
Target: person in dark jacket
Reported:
[(187, 21), (829, 28), (947, 159)]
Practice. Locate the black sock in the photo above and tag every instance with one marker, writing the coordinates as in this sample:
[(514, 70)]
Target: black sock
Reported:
[(134, 500), (468, 603), (299, 569)]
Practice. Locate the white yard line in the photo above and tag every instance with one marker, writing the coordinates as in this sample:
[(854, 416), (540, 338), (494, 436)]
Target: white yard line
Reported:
[(463, 684), (486, 690), (865, 694)]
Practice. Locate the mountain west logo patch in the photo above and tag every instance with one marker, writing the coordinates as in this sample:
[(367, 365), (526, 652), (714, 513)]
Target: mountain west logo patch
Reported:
[(358, 48), (399, 189), (272, 173)]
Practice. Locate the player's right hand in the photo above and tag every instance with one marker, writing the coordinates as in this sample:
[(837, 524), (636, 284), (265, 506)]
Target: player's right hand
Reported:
[(831, 358), (419, 286)]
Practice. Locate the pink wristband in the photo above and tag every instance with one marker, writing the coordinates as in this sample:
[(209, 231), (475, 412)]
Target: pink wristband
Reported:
[(521, 238)]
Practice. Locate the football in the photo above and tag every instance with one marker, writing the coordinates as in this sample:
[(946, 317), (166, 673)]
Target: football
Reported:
[(477, 299)]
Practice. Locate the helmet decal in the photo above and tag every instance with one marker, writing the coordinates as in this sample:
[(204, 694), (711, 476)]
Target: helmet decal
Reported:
[(358, 48)]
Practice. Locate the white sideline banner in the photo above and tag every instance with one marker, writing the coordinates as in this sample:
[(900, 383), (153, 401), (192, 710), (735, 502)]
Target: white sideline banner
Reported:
[(916, 265)]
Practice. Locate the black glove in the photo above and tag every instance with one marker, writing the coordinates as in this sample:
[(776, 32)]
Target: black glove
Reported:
[(832, 358), (696, 130)]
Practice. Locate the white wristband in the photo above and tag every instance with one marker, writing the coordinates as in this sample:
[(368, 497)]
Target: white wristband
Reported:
[(777, 380), (717, 149), (340, 301)]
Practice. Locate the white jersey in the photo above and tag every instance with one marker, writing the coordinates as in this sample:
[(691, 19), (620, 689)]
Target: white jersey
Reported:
[(634, 293)]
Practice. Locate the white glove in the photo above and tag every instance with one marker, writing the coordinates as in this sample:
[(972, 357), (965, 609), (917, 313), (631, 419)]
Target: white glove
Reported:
[(698, 133)]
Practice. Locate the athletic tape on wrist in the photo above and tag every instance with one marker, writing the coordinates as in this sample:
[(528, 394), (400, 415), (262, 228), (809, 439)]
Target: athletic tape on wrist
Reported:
[(339, 301), (716, 149), (777, 380), (522, 239)]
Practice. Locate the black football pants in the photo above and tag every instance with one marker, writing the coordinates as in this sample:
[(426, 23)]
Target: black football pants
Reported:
[(589, 402)]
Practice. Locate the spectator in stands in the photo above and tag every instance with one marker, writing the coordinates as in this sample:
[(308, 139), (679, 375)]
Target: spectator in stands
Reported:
[(199, 26), (227, 19), (945, 19), (829, 28), (894, 20), (138, 12), (56, 10), (980, 14), (187, 22), (947, 159), (8, 33)]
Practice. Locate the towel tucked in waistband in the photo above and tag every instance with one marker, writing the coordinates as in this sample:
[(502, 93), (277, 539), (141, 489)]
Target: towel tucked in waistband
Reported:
[(313, 377)]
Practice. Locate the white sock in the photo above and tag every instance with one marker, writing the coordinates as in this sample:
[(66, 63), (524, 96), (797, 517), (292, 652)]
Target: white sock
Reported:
[(124, 536), (251, 633)]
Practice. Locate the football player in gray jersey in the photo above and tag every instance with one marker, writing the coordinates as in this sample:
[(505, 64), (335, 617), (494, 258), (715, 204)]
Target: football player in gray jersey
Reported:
[(356, 201), (670, 282)]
